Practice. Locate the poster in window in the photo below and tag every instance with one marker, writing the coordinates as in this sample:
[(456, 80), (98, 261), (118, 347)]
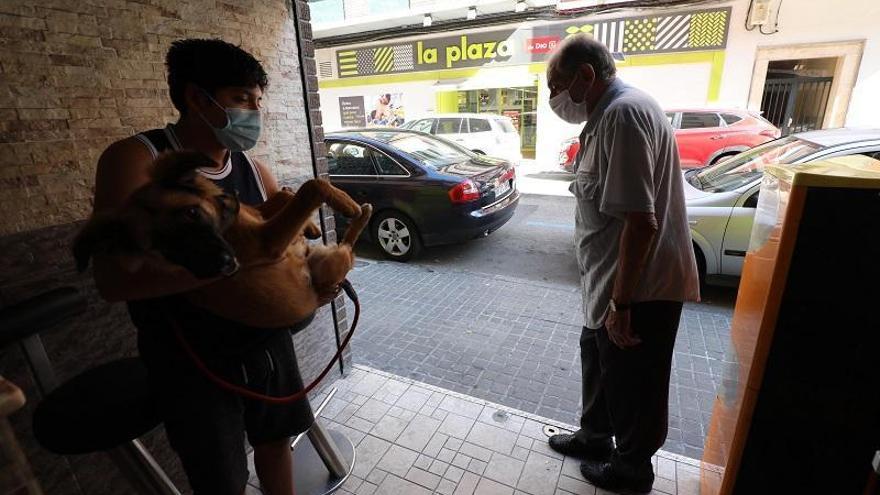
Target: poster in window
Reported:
[(387, 110), (351, 111)]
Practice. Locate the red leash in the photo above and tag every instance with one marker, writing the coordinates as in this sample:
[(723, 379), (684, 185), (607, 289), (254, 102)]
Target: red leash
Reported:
[(245, 392)]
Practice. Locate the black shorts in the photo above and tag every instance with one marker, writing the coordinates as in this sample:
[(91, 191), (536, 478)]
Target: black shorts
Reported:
[(206, 425)]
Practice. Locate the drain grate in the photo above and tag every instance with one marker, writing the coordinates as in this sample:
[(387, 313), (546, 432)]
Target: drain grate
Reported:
[(551, 430)]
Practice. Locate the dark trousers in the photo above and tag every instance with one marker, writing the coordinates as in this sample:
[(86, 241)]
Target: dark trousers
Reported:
[(626, 391)]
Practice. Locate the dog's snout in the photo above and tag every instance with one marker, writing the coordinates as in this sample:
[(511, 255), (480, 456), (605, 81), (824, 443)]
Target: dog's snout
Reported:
[(229, 264)]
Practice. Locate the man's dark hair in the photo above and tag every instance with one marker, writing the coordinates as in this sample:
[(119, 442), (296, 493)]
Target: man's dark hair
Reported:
[(210, 65), (583, 49)]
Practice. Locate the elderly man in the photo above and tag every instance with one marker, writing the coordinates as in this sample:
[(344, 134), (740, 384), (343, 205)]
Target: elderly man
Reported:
[(636, 263)]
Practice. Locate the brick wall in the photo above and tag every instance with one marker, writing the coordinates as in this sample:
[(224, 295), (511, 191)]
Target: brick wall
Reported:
[(74, 76)]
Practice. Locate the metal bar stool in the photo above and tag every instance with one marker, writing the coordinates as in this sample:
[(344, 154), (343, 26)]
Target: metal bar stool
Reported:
[(105, 408)]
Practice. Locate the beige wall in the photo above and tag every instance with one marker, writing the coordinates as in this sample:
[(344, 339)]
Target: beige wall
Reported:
[(74, 77)]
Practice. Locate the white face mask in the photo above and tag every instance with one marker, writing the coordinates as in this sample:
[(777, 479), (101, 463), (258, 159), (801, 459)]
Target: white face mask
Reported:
[(566, 108)]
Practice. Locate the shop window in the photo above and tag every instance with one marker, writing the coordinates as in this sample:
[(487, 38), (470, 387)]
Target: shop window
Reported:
[(448, 126), (349, 159), (479, 125), (694, 120)]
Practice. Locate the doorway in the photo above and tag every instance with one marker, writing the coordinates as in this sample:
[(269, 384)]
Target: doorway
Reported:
[(804, 87), (797, 93)]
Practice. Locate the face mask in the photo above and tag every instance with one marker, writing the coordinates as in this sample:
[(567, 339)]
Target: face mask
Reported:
[(242, 129), (566, 108)]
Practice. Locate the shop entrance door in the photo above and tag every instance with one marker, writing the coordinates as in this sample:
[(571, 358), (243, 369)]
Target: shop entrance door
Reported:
[(518, 103)]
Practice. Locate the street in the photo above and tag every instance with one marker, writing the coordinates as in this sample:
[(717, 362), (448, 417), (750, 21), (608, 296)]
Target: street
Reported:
[(499, 318)]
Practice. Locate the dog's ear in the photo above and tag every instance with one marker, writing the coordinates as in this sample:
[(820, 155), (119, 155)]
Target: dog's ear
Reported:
[(179, 167), (108, 233)]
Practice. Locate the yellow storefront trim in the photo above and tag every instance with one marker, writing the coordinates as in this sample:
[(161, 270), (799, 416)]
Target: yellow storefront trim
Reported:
[(714, 57)]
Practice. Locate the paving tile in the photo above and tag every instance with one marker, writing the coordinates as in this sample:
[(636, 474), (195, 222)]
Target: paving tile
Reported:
[(665, 468), (446, 487), (423, 478), (461, 460), (419, 431), (393, 485), (467, 485), (456, 426), (524, 441), (413, 399), (571, 467), (423, 462), (376, 476), (540, 475), (461, 407), (544, 448), (454, 444), (389, 428), (397, 460), (372, 410), (369, 452), (438, 467), (504, 469), (370, 384), (688, 479), (366, 488), (492, 438), (454, 473), (435, 445), (520, 453), (476, 451), (477, 466), (576, 486), (664, 485), (360, 424), (489, 487), (502, 418)]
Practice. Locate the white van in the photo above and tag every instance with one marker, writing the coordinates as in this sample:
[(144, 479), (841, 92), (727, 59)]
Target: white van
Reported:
[(482, 133)]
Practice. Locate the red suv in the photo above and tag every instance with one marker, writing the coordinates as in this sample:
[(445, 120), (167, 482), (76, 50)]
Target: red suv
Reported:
[(703, 136)]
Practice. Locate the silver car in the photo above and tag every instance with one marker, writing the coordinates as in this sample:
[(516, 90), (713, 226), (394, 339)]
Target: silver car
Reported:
[(721, 198)]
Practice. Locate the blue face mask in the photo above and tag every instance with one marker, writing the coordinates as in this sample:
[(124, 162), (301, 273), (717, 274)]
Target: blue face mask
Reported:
[(242, 129)]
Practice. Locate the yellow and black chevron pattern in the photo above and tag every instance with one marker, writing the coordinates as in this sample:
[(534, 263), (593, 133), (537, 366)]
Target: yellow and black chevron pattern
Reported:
[(707, 29), (639, 35), (383, 59), (348, 63)]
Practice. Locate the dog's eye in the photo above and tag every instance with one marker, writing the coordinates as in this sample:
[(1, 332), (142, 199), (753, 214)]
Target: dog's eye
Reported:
[(192, 213)]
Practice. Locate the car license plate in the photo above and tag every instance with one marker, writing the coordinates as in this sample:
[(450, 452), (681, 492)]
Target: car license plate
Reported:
[(501, 188)]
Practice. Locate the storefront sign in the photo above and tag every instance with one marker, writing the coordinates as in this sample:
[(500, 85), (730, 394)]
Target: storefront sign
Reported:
[(351, 110), (697, 30)]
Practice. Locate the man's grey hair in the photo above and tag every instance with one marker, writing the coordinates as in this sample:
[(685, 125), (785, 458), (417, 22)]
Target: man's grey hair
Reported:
[(582, 49)]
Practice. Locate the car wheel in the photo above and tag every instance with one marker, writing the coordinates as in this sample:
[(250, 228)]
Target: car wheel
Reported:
[(397, 236)]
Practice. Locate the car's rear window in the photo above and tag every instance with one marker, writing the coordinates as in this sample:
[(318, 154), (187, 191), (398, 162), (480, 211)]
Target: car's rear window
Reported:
[(730, 118), (745, 167)]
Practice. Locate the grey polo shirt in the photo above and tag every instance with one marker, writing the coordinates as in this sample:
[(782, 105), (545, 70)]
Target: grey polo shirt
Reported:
[(629, 163)]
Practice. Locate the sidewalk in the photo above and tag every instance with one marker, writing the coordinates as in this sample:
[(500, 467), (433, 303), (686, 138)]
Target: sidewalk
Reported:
[(416, 439), (515, 343)]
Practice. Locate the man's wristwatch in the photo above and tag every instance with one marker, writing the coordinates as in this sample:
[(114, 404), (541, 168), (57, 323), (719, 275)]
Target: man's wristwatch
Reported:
[(618, 307)]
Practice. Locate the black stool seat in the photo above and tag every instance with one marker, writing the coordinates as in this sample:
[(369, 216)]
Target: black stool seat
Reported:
[(98, 409)]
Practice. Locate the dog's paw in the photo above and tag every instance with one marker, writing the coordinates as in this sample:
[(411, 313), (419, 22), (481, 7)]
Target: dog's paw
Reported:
[(366, 210)]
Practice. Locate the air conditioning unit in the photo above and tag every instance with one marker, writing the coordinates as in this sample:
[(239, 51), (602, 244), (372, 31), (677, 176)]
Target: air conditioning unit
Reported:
[(759, 12)]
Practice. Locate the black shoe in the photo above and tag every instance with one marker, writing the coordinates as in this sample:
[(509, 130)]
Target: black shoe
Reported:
[(570, 445), (618, 477)]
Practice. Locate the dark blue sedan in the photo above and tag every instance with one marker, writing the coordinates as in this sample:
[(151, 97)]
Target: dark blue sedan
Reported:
[(425, 190)]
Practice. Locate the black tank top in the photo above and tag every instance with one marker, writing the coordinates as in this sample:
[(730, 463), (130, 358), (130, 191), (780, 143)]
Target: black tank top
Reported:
[(209, 334), (238, 174)]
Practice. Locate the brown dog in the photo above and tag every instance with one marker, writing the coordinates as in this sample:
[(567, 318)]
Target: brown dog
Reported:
[(273, 277)]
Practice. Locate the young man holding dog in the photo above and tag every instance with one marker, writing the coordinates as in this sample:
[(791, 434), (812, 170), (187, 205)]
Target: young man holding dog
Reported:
[(636, 264), (217, 89)]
